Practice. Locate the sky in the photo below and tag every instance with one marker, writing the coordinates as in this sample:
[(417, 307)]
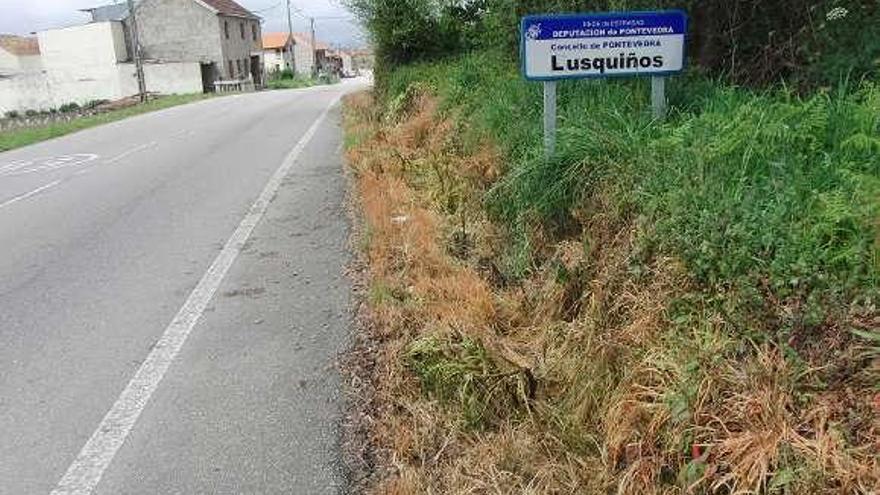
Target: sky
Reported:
[(333, 24)]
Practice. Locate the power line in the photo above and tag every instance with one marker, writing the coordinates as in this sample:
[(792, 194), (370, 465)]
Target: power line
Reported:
[(273, 7)]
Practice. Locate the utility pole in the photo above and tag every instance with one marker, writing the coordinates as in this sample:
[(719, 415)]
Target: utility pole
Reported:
[(314, 48), (136, 46), (290, 39)]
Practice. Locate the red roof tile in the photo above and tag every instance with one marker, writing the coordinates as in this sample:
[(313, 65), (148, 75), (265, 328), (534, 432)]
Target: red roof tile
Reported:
[(275, 40), (19, 45), (229, 7)]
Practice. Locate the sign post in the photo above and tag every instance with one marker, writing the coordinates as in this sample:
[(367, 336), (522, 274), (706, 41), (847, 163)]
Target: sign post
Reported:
[(616, 44), (549, 118), (658, 97)]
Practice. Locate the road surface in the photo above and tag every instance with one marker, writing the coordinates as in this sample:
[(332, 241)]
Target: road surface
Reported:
[(172, 301)]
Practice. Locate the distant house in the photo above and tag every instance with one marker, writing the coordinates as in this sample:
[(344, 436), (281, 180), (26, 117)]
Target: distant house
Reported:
[(347, 63), (221, 35), (18, 54), (308, 59), (362, 60), (278, 52)]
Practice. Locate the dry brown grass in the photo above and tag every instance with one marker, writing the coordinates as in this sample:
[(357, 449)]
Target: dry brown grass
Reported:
[(576, 379)]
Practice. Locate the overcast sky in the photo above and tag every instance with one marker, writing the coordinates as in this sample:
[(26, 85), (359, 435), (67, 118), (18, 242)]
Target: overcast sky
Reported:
[(333, 23)]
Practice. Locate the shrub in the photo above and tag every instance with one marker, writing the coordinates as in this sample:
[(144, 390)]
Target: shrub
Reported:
[(11, 114), (91, 104), (69, 107)]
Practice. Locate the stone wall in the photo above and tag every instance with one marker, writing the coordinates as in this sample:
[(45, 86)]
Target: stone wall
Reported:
[(239, 48), (179, 31)]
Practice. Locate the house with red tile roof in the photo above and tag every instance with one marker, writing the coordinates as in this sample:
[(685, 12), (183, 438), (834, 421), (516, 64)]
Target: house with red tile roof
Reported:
[(277, 52), (18, 54)]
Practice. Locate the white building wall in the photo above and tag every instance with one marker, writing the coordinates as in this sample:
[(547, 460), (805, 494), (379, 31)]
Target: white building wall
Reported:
[(24, 92), (274, 61), (85, 63), (244, 40), (81, 62), (16, 64), (8, 63), (166, 79), (303, 58), (347, 64), (31, 63)]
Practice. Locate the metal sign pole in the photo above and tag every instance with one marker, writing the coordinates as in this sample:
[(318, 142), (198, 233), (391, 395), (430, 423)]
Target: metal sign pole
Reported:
[(658, 97), (549, 118)]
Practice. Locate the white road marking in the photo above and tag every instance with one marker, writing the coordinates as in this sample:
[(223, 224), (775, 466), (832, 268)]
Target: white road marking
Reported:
[(87, 469), (31, 166), (130, 152), (29, 194)]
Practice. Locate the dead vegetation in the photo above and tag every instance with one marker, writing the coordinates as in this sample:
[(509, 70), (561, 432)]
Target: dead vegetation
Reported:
[(582, 377)]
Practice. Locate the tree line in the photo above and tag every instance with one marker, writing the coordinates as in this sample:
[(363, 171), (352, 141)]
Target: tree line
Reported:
[(806, 43)]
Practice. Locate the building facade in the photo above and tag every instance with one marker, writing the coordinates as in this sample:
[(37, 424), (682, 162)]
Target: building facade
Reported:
[(221, 35), (278, 52), (18, 54), (79, 64)]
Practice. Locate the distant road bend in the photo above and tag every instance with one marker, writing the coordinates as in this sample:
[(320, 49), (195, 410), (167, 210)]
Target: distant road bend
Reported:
[(172, 301)]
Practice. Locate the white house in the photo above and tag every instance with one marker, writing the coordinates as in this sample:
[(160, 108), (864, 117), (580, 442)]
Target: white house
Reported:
[(277, 52)]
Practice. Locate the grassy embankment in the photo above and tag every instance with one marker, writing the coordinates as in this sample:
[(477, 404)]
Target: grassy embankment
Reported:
[(25, 136), (678, 307)]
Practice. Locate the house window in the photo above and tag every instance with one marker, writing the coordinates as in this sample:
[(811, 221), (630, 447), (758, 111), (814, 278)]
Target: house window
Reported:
[(226, 29), (238, 65), (254, 31), (231, 71), (241, 29)]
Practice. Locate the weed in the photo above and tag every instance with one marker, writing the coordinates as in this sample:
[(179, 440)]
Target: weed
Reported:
[(660, 308)]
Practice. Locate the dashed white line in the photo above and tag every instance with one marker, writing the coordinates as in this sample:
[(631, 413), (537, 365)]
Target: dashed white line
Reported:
[(29, 194), (87, 469), (130, 152)]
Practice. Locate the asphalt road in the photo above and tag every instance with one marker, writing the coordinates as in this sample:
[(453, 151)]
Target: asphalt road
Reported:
[(172, 301)]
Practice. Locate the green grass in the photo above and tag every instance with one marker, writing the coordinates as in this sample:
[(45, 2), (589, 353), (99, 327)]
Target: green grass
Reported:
[(23, 137), (763, 196), (288, 82)]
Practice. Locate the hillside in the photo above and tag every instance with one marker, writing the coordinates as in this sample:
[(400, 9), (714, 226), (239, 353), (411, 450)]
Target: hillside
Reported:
[(686, 306)]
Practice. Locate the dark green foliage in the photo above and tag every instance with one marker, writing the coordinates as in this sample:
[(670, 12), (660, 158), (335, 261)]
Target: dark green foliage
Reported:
[(11, 114), (405, 31), (461, 372), (69, 107), (757, 42)]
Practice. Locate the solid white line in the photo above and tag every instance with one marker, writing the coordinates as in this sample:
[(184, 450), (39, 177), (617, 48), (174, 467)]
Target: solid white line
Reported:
[(86, 471), (29, 194)]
